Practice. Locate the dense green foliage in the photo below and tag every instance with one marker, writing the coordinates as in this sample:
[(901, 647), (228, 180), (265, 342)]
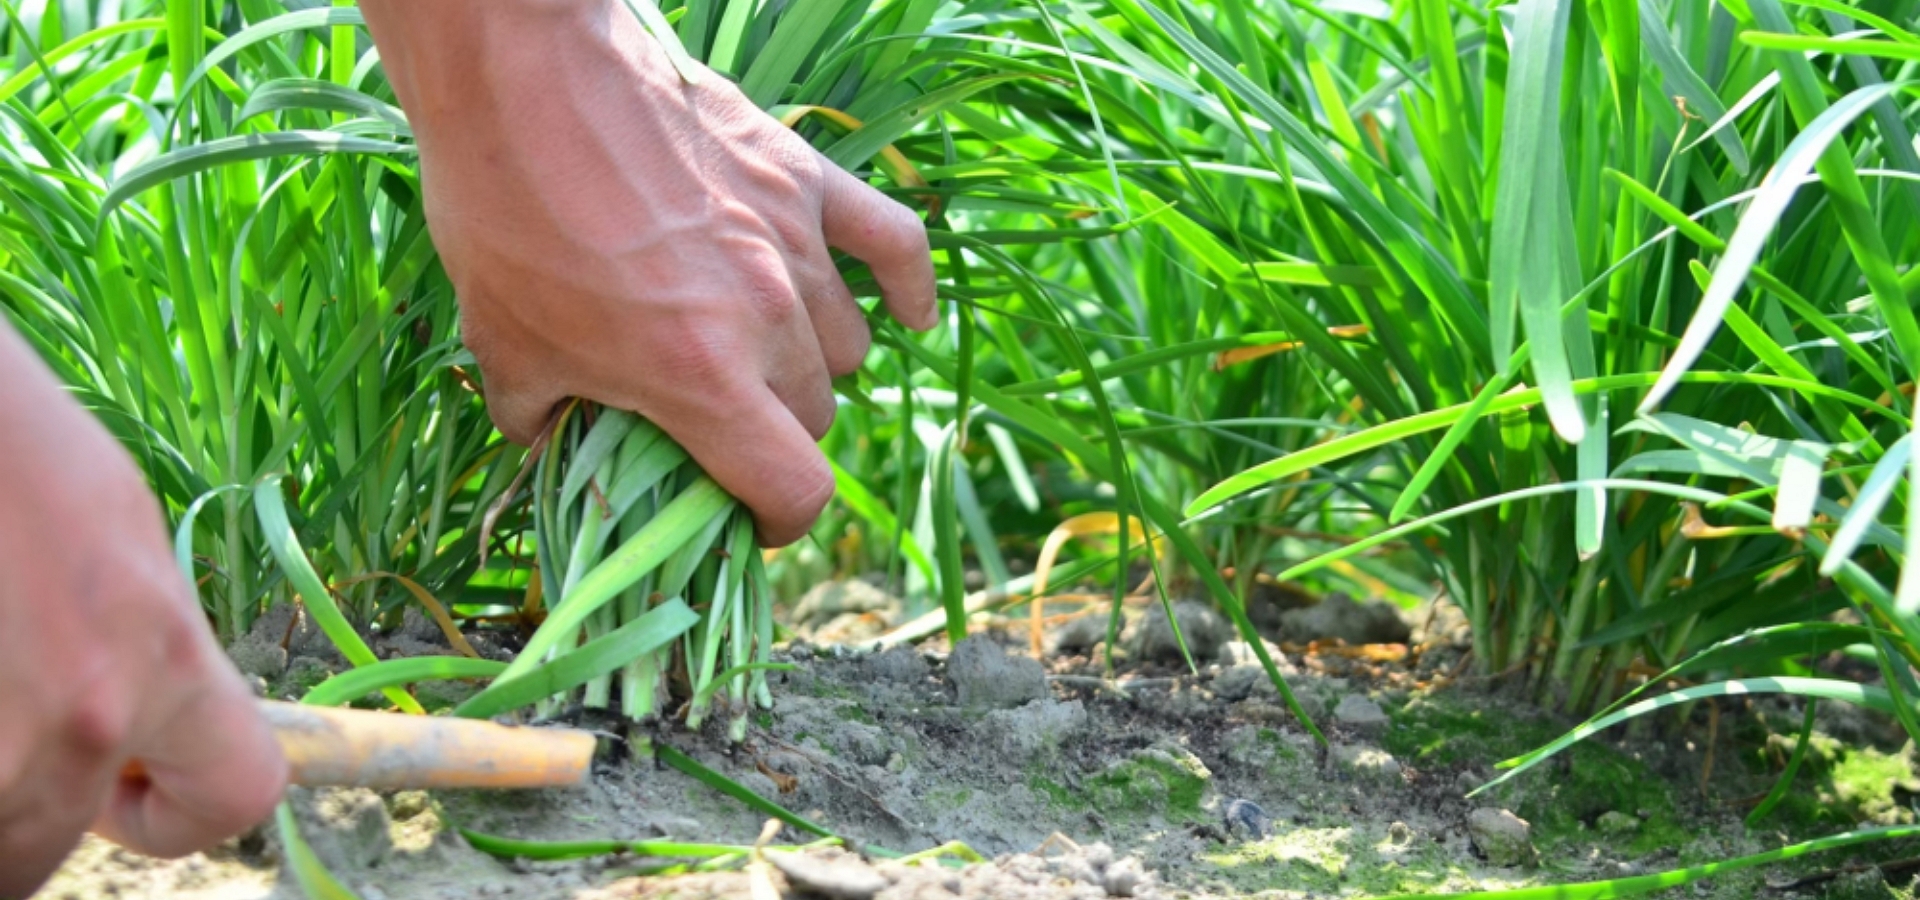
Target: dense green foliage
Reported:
[(1603, 307)]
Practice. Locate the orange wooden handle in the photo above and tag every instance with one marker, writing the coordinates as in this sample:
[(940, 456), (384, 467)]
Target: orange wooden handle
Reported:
[(327, 747)]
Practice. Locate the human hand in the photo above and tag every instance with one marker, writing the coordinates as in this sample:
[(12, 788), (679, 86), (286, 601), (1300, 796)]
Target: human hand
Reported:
[(105, 658), (618, 235)]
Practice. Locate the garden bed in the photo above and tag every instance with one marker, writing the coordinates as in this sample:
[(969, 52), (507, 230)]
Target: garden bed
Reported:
[(1073, 785)]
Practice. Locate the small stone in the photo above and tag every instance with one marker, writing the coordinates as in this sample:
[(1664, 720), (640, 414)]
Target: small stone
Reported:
[(673, 826), (1246, 816), (1240, 682), (1029, 729), (1467, 782), (303, 673), (983, 675), (1615, 822), (837, 606), (346, 827), (1078, 635), (1098, 855), (841, 877), (1502, 837), (1860, 884), (1122, 878), (258, 656), (1399, 833), (1240, 653), (1202, 627), (408, 804), (901, 664), (438, 695), (421, 627), (1074, 868), (1361, 714), (1370, 763), (1338, 616)]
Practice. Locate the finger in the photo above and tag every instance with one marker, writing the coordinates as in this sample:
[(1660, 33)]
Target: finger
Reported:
[(888, 237), (45, 812), (521, 407), (799, 380), (751, 444), (212, 771), (838, 323), (522, 415), (34, 842)]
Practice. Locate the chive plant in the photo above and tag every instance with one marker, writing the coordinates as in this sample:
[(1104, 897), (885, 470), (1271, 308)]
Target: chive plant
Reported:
[(607, 480), (240, 284), (1591, 315), (1594, 316)]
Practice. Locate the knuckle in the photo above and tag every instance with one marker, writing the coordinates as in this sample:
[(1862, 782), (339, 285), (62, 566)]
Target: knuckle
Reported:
[(99, 720), (796, 236), (701, 357), (770, 290)]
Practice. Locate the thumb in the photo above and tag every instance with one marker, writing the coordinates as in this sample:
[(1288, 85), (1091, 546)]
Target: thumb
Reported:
[(521, 414), (213, 770)]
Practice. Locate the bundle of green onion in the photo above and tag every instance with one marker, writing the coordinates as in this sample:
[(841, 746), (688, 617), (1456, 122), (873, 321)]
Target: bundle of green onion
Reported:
[(651, 575)]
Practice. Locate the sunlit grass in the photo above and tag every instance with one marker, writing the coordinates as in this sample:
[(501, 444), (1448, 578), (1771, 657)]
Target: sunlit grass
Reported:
[(1595, 318)]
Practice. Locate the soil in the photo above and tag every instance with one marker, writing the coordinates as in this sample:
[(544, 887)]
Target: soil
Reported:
[(1157, 782)]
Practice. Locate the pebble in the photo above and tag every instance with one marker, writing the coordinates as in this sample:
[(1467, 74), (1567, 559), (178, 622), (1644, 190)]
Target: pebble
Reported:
[(1203, 628), (1338, 616), (1615, 822), (1122, 878), (1247, 816), (408, 804), (1079, 635), (901, 664), (1361, 714), (1503, 838), (1367, 762), (1241, 682), (841, 877)]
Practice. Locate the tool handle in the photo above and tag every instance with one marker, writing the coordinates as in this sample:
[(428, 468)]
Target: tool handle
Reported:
[(328, 747), (361, 748)]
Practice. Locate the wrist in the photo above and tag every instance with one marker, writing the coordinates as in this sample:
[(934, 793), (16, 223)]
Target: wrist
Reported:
[(451, 59)]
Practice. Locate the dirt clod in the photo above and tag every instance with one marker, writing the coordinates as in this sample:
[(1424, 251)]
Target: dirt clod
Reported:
[(845, 611), (1203, 629), (1502, 837), (983, 675), (1615, 822), (838, 875), (1367, 763), (257, 656), (1361, 714), (1079, 635), (1247, 818), (1338, 616), (901, 664)]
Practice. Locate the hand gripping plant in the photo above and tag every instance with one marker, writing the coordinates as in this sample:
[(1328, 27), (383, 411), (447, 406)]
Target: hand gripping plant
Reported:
[(629, 528)]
